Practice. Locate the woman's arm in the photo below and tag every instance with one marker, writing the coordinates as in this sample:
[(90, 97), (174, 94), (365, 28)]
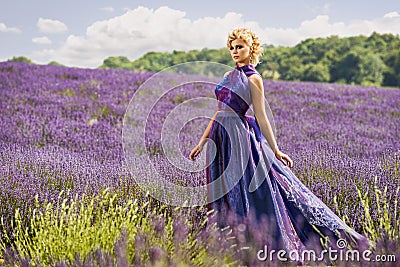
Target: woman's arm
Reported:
[(197, 149), (257, 96)]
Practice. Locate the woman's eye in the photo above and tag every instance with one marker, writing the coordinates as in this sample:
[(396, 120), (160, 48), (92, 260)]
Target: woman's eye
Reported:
[(237, 47)]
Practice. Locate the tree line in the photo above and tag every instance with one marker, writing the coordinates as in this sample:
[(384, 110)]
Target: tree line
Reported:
[(366, 60)]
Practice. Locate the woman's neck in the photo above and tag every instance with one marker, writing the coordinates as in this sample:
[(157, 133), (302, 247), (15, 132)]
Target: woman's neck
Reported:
[(239, 65), (243, 63)]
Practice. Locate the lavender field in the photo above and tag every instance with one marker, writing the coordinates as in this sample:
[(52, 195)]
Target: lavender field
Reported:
[(68, 197)]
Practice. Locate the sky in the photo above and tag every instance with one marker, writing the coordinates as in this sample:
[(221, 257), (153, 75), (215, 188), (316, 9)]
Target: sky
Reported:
[(84, 33)]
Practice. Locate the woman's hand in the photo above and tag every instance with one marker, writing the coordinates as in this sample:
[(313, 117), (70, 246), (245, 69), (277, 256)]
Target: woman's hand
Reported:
[(195, 151), (285, 159)]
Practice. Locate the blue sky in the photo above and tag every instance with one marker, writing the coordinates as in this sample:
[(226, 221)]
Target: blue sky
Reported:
[(84, 33)]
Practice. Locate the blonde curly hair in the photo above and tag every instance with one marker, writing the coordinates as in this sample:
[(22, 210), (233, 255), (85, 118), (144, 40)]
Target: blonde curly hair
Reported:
[(251, 39)]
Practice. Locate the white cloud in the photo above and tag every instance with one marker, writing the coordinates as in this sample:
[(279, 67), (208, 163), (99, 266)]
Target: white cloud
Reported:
[(108, 9), (141, 30), (320, 26), (51, 26), (164, 29), (5, 28), (44, 40), (392, 15)]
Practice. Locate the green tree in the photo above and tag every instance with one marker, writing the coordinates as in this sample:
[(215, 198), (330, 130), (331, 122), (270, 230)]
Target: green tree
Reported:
[(370, 70), (271, 72), (317, 73), (392, 73), (291, 68), (54, 63), (372, 60), (346, 68), (116, 62), (376, 42), (360, 66), (153, 61), (20, 59)]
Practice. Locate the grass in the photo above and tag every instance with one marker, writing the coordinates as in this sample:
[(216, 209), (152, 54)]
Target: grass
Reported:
[(106, 230), (73, 230)]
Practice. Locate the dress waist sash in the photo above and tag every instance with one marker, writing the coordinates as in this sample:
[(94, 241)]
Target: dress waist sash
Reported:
[(251, 121)]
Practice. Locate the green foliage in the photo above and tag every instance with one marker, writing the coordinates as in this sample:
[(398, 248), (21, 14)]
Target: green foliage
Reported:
[(373, 60), (317, 72), (116, 62), (77, 228), (291, 68), (68, 92), (54, 63), (392, 73), (20, 59), (72, 230), (153, 61), (371, 70), (385, 221)]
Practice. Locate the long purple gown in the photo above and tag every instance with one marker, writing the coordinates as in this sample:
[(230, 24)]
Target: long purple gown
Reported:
[(247, 178)]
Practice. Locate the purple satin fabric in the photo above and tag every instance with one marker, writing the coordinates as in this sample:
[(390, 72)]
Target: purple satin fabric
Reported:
[(258, 183), (230, 99)]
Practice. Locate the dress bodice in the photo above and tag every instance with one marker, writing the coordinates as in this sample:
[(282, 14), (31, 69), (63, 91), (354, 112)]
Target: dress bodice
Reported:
[(233, 92)]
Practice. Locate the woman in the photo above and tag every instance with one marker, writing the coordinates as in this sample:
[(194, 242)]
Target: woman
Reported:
[(247, 171)]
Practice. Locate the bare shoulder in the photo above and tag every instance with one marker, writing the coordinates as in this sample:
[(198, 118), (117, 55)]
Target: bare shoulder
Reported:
[(257, 81), (255, 78)]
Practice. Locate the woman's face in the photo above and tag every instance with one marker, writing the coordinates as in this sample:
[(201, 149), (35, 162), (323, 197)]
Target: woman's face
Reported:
[(240, 52)]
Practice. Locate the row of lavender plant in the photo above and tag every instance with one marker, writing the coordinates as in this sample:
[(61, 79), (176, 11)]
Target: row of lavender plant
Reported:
[(60, 130)]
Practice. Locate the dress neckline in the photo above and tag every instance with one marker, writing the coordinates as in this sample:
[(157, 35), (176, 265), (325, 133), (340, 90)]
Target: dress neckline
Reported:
[(247, 69)]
